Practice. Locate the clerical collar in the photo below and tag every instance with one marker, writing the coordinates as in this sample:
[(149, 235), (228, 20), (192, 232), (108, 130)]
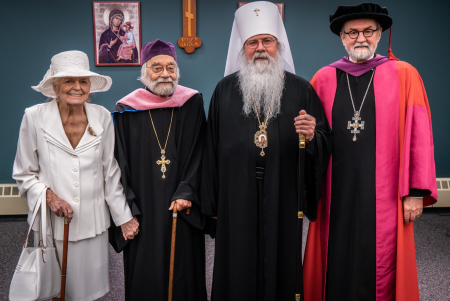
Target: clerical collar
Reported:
[(146, 88)]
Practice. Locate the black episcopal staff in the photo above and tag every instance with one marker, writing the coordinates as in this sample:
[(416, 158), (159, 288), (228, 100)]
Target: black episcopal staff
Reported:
[(159, 142), (250, 162)]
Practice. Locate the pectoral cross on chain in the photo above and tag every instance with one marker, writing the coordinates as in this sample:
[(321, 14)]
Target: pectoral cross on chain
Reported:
[(256, 11), (354, 125), (163, 163)]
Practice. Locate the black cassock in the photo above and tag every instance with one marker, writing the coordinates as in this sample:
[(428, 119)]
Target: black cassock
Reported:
[(254, 197), (147, 256), (109, 55)]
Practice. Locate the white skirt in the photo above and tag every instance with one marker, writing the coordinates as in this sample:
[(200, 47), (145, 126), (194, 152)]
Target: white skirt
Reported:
[(87, 276)]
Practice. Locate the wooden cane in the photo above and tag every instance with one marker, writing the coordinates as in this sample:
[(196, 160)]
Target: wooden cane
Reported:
[(64, 260), (172, 251)]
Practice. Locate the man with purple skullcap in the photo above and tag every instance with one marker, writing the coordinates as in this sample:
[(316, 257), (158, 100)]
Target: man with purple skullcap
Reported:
[(159, 142)]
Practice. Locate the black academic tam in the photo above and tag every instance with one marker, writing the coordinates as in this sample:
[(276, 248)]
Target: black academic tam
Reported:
[(362, 11)]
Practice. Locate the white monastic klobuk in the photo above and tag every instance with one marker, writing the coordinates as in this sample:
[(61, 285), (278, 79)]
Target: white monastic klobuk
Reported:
[(252, 19)]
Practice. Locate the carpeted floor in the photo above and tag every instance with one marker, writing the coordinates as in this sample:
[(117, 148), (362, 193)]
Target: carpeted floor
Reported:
[(432, 236)]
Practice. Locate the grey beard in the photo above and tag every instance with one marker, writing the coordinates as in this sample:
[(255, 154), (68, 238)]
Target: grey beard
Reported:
[(160, 90), (361, 55), (262, 82)]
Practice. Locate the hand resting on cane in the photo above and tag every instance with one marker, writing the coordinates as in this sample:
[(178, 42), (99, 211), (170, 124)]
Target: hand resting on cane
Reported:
[(58, 205), (181, 204)]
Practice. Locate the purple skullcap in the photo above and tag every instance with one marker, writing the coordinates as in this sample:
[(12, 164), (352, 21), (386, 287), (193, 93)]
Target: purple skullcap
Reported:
[(157, 47)]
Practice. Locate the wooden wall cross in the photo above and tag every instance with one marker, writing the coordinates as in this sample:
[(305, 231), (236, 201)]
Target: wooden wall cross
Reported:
[(189, 41)]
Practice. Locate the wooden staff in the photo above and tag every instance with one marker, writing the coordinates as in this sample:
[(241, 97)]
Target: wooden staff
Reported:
[(172, 250), (301, 193), (64, 260)]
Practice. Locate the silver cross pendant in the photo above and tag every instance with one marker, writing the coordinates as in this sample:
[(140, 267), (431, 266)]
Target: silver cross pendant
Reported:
[(354, 125)]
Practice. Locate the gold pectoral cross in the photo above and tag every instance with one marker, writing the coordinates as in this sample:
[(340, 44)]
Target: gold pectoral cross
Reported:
[(163, 163)]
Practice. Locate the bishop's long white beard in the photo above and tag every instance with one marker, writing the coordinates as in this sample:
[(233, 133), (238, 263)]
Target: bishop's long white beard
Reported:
[(262, 81)]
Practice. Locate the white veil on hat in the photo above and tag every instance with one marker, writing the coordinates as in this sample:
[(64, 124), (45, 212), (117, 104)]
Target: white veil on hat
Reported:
[(252, 19)]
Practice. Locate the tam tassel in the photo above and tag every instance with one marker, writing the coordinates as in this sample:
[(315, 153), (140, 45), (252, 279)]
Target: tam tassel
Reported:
[(391, 55)]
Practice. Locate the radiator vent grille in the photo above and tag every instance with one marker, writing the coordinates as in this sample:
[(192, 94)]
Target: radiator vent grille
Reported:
[(443, 184), (9, 190)]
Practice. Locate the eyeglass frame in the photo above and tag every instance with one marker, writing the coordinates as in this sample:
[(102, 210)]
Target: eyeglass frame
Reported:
[(358, 31), (164, 68), (261, 41)]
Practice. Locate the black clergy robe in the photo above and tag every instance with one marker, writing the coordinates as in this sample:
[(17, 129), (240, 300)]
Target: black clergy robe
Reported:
[(257, 219), (351, 269), (147, 256)]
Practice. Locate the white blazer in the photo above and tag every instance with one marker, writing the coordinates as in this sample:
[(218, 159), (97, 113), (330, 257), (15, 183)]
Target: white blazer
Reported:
[(87, 177)]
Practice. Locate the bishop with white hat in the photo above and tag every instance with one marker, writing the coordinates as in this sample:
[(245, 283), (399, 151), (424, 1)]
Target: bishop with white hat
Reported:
[(250, 160)]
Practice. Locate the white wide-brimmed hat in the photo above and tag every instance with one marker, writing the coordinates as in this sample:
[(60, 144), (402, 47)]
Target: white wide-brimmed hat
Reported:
[(72, 64)]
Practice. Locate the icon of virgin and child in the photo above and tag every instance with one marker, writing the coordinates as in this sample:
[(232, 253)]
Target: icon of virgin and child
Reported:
[(117, 44)]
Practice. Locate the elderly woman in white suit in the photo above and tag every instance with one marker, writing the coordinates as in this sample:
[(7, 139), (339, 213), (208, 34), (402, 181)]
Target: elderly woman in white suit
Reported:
[(66, 150)]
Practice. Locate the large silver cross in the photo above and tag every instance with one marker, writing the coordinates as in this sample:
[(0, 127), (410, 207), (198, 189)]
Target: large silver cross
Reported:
[(256, 11), (354, 125)]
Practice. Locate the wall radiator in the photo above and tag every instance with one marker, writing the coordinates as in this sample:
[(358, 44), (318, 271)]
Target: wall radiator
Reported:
[(12, 204), (10, 201)]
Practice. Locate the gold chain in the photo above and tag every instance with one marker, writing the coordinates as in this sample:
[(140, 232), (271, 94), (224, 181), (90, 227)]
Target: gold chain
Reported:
[(257, 113), (171, 118)]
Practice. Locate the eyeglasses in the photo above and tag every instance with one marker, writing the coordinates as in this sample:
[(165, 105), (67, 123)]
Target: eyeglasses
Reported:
[(267, 42), (353, 34), (158, 68)]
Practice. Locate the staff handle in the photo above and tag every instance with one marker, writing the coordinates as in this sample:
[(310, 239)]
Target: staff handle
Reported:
[(172, 251)]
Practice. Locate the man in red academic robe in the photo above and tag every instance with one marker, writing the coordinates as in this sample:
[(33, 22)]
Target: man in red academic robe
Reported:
[(381, 172)]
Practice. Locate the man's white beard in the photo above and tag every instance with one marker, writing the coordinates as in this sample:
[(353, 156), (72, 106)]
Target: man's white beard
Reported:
[(262, 81), (363, 54), (161, 90)]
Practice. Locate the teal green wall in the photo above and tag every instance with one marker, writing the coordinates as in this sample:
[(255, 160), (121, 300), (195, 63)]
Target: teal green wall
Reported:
[(33, 31)]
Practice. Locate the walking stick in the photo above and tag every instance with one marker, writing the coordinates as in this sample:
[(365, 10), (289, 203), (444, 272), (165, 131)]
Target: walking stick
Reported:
[(172, 250), (301, 194), (64, 261)]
